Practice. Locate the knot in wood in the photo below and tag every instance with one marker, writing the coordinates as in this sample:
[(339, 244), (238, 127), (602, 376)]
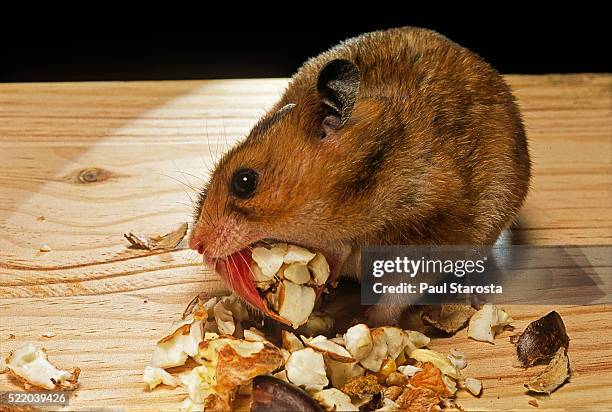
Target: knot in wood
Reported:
[(93, 175)]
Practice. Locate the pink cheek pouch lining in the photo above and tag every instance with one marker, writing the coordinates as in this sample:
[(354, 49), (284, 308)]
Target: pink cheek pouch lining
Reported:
[(236, 272)]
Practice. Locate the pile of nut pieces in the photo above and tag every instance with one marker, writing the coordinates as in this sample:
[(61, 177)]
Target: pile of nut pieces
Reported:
[(384, 368), (341, 373)]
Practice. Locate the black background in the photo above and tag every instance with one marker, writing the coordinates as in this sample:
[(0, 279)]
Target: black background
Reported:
[(205, 44)]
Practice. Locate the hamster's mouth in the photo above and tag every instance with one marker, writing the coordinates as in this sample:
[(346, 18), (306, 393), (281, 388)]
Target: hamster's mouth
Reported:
[(236, 272)]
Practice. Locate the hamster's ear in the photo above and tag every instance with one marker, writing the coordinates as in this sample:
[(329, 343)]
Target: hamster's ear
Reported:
[(338, 85)]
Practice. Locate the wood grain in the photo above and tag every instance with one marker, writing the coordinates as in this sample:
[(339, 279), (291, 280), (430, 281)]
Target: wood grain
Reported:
[(81, 163)]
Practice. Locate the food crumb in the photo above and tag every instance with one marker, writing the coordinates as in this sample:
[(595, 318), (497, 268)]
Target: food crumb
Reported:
[(533, 403), (45, 248), (47, 334), (41, 218), (166, 241), (11, 336), (554, 376), (30, 366)]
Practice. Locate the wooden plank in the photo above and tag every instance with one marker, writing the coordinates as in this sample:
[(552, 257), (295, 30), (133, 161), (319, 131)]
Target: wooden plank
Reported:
[(150, 145)]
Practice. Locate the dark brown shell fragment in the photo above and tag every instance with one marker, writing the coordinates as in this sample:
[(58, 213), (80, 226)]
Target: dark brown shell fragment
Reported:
[(272, 394), (541, 340)]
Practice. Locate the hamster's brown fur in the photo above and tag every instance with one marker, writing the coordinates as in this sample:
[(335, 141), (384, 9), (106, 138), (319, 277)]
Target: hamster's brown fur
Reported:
[(431, 150)]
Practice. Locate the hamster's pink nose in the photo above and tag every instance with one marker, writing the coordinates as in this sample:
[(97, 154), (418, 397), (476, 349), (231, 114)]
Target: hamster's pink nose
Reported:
[(195, 243), (197, 246)]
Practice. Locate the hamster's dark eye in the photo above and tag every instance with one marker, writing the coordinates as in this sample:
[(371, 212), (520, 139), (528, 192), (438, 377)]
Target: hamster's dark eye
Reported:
[(244, 183)]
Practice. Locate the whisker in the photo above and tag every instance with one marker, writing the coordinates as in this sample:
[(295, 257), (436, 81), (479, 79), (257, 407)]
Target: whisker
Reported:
[(249, 266), (178, 181), (181, 172), (208, 145), (192, 175), (184, 204), (181, 182), (232, 281)]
